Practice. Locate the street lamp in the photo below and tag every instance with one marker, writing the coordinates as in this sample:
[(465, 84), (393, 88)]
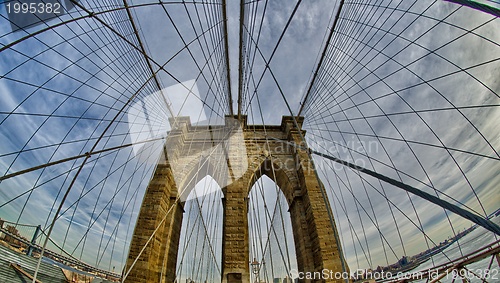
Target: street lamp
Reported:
[(255, 268)]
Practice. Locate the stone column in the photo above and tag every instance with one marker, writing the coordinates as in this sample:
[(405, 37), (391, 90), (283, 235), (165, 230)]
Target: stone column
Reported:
[(157, 262), (310, 216), (323, 248), (235, 250), (301, 235)]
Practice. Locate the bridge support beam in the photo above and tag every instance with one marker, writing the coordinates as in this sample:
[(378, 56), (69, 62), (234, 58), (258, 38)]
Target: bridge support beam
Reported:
[(154, 246), (314, 234), (235, 250)]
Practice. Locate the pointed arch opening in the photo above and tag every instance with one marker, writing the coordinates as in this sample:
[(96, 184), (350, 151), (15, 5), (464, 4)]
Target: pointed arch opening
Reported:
[(189, 176), (200, 247), (271, 241)]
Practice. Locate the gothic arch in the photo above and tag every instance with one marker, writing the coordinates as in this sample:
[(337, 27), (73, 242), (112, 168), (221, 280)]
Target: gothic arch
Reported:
[(282, 176), (270, 230), (316, 247), (209, 253), (195, 171)]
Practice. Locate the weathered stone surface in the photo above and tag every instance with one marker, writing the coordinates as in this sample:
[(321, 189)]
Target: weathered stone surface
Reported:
[(246, 157)]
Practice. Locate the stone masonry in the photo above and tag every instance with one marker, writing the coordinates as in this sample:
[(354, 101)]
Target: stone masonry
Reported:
[(191, 153)]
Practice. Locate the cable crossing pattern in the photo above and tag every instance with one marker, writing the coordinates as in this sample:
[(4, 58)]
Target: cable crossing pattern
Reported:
[(400, 100)]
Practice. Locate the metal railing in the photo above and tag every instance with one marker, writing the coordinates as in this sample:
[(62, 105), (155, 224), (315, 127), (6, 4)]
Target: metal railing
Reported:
[(457, 269), (68, 260)]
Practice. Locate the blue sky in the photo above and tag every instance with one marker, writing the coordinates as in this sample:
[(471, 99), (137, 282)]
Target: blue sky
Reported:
[(60, 90)]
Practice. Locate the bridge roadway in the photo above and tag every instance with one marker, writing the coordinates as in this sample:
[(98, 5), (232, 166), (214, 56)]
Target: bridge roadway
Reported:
[(65, 260)]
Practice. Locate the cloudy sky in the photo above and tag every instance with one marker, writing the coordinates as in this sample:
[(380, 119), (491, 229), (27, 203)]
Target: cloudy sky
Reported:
[(408, 89)]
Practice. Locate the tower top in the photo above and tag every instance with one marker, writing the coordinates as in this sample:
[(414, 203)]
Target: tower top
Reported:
[(287, 123)]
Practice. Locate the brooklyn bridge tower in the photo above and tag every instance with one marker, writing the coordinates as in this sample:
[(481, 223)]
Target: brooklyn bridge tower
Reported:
[(235, 155)]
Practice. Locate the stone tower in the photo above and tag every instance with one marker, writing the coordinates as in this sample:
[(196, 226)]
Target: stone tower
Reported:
[(236, 155)]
